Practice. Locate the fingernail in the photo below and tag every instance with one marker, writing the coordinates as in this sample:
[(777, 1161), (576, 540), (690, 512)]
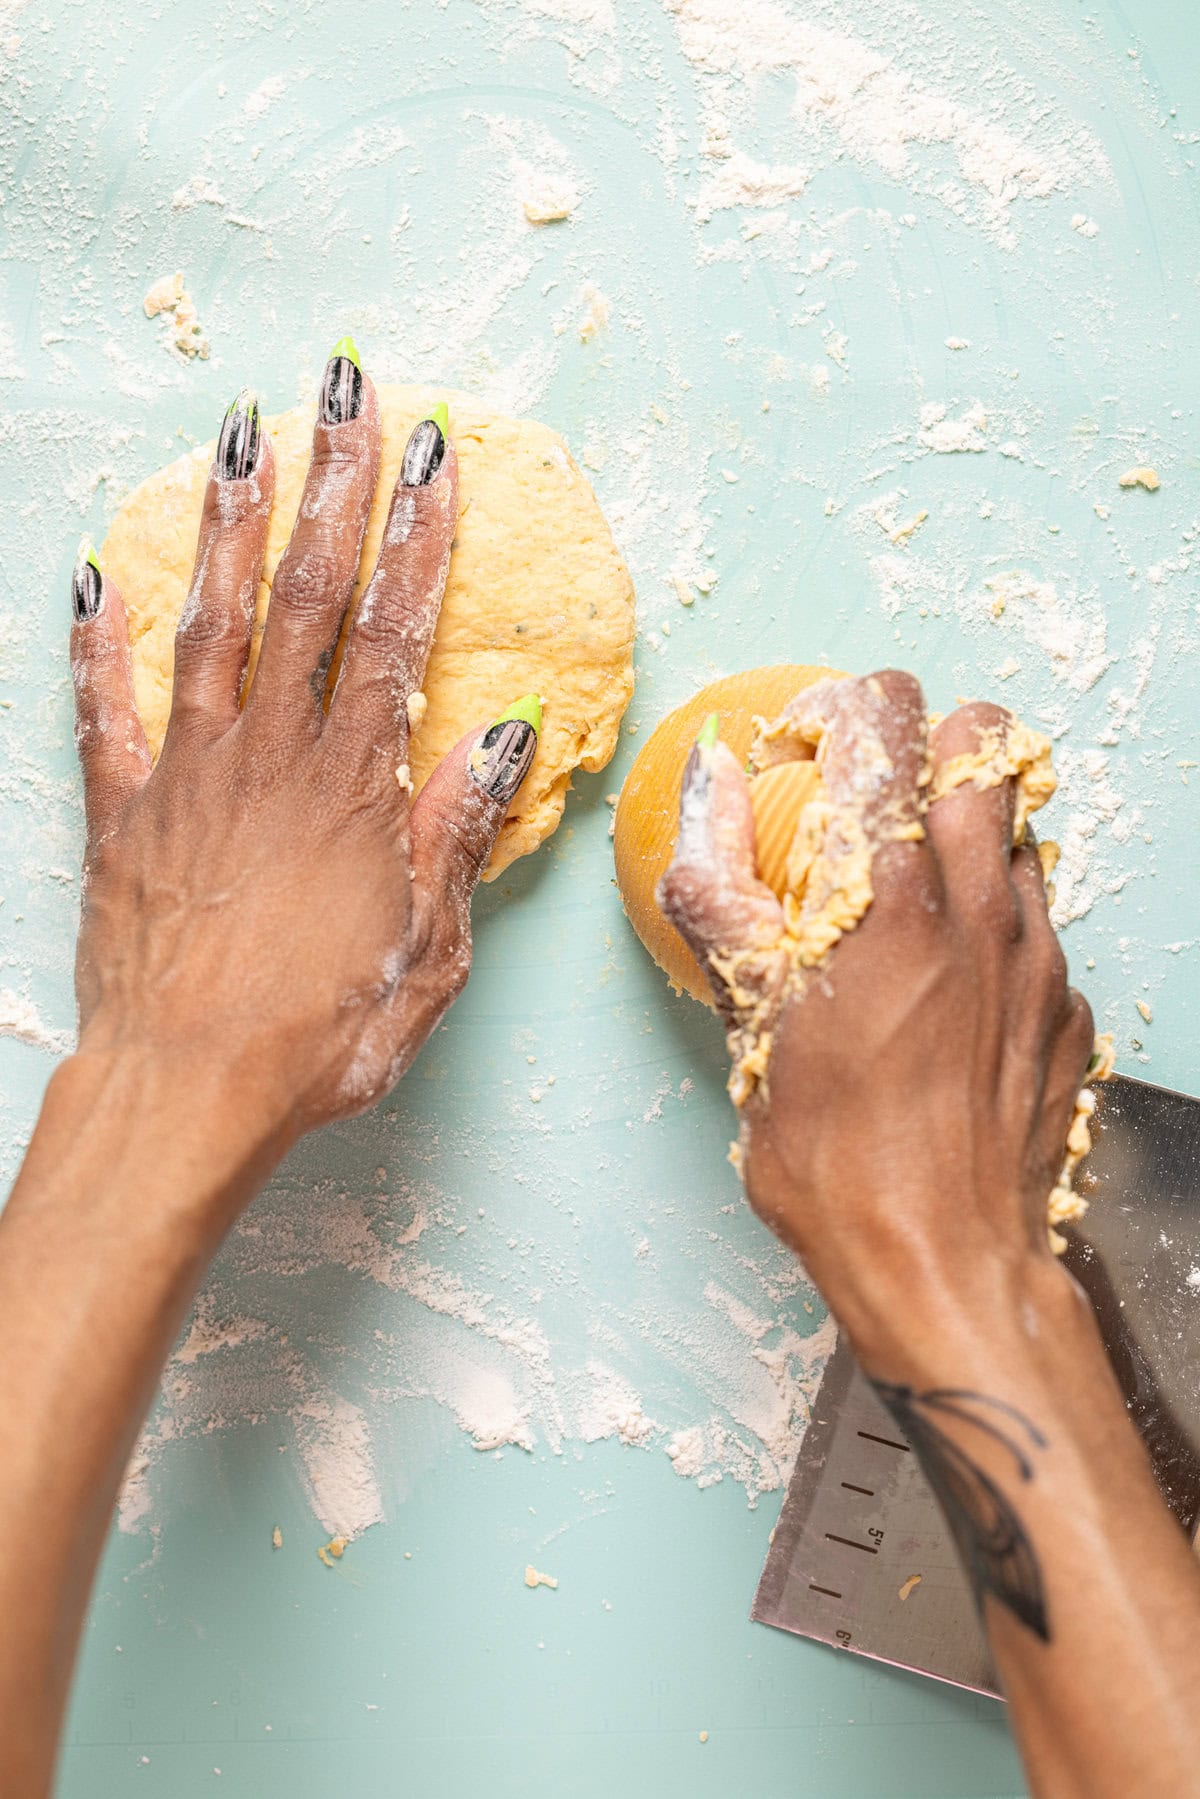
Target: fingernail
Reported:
[(425, 448), (237, 446), (87, 583), (342, 388), (710, 730), (500, 761)]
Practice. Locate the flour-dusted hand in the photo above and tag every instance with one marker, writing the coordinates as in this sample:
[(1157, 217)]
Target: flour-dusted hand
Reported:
[(907, 1057), (907, 1052), (266, 901)]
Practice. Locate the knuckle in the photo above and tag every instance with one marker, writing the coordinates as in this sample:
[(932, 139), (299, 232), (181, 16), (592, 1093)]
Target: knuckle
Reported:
[(309, 581), (207, 625)]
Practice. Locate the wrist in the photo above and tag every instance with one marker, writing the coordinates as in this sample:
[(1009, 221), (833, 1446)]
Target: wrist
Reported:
[(155, 1143), (964, 1322)]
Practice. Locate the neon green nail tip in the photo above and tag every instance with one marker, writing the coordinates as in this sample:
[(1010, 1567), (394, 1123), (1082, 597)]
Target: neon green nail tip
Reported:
[(529, 709), (441, 417), (346, 346), (87, 553), (710, 730)]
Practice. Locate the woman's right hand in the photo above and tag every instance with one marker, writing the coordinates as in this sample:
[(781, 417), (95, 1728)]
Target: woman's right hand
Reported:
[(921, 1080)]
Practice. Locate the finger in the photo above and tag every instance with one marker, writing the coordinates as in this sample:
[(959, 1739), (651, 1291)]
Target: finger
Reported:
[(971, 817), (870, 737), (317, 571), (393, 626), (108, 732), (711, 892), (458, 815), (212, 639)]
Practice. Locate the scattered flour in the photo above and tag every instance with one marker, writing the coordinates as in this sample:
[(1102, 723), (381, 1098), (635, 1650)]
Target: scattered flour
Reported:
[(947, 436), (883, 116), (19, 1018)]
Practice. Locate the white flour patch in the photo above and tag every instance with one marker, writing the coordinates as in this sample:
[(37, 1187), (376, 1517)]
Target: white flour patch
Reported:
[(1070, 629), (19, 1018), (866, 105)]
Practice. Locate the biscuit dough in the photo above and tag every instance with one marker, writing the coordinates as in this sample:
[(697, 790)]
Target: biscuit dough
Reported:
[(537, 600)]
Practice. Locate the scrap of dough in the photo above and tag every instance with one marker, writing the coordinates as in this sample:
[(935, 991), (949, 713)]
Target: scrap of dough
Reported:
[(548, 198), (1065, 1206), (910, 1586), (534, 1579), (537, 600), (598, 311), (184, 335), (277, 1538), (333, 1551), (1140, 477), (1014, 751)]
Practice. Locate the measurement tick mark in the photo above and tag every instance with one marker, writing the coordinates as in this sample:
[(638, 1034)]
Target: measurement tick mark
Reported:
[(867, 1548), (886, 1441), (814, 1588), (851, 1488)]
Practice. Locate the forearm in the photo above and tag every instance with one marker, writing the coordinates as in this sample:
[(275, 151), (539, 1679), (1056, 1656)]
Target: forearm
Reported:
[(130, 1179), (1090, 1592)]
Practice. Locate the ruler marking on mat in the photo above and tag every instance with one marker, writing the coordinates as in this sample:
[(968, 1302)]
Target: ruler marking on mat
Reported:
[(867, 1548), (851, 1488), (814, 1588)]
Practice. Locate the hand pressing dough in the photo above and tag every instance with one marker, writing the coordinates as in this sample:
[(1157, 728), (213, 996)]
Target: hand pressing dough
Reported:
[(538, 599), (794, 830)]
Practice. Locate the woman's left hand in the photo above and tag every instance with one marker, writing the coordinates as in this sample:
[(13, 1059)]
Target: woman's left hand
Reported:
[(264, 908)]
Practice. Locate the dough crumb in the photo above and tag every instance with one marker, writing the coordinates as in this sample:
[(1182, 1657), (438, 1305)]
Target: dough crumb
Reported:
[(548, 198), (404, 778), (910, 1585), (1145, 1011), (417, 707), (1140, 477), (902, 533), (1086, 227), (534, 1579), (597, 311), (333, 1551), (704, 1736), (277, 1538), (183, 336)]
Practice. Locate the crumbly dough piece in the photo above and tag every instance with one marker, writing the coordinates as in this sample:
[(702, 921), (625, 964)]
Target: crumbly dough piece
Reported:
[(538, 599)]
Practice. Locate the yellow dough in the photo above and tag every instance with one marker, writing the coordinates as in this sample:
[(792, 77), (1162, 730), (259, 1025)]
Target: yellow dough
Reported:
[(647, 818), (538, 598)]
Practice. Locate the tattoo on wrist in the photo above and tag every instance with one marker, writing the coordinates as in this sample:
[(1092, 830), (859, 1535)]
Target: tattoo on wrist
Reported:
[(994, 1545)]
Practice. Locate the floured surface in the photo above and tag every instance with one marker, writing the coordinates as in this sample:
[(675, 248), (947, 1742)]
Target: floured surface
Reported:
[(750, 415), (538, 599)]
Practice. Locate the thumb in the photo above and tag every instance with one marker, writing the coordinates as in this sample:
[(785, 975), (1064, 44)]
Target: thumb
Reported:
[(711, 892), (459, 811)]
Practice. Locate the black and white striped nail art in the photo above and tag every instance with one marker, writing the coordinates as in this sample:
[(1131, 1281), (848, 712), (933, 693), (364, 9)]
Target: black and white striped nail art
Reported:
[(501, 760)]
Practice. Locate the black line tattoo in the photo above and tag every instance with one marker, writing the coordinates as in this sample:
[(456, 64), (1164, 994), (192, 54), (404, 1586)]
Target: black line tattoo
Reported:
[(999, 1557)]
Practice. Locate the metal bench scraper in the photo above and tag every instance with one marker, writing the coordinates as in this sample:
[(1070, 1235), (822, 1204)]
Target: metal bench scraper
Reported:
[(859, 1522)]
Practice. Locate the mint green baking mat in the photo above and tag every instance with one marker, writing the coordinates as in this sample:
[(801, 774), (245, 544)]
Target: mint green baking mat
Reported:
[(878, 303)]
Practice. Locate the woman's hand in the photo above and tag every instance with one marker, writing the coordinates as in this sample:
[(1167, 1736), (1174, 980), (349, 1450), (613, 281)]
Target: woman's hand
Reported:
[(921, 1081), (265, 901)]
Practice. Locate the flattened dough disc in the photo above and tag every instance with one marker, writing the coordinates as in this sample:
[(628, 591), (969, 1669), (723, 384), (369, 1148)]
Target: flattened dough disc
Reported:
[(538, 599)]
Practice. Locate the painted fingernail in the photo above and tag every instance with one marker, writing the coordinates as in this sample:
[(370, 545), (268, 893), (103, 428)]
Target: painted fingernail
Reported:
[(425, 448), (710, 730), (87, 583), (500, 760), (237, 446), (342, 387)]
